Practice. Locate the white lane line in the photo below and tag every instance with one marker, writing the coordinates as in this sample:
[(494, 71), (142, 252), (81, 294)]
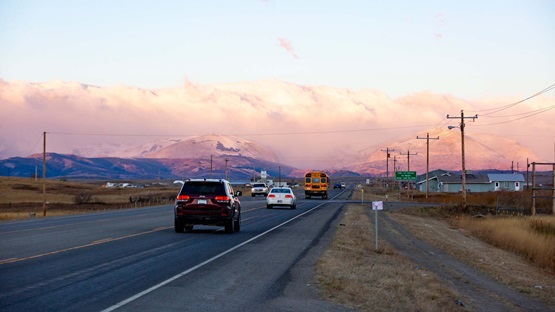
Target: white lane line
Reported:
[(171, 279)]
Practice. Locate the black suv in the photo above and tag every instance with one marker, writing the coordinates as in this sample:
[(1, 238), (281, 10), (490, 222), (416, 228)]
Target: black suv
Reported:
[(207, 202)]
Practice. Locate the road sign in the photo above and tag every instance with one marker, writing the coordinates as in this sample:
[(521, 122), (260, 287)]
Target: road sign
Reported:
[(405, 175)]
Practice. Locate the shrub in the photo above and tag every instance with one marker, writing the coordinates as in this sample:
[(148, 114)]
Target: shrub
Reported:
[(81, 199)]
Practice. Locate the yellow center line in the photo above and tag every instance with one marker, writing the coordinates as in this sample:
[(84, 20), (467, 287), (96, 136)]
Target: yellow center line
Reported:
[(98, 242), (70, 224)]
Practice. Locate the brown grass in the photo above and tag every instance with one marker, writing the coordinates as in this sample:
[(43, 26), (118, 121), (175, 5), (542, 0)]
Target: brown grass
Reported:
[(505, 266), (531, 237), (352, 273), (23, 197)]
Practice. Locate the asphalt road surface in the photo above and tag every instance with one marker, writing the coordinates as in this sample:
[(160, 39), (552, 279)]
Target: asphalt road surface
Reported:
[(131, 260)]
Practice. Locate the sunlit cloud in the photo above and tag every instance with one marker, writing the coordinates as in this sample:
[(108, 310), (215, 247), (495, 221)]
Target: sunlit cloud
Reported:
[(321, 120), (440, 20), (284, 43)]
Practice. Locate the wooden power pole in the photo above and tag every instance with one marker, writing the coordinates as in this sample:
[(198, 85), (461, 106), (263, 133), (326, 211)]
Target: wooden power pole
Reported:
[(461, 126), (427, 138), (388, 155)]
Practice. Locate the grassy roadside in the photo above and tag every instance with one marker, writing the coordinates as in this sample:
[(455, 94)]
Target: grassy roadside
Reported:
[(350, 272)]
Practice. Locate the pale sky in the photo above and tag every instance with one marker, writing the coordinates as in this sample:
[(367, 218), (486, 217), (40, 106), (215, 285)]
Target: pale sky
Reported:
[(468, 49)]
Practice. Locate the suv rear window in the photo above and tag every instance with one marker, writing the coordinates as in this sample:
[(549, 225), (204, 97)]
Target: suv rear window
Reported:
[(258, 185), (203, 188)]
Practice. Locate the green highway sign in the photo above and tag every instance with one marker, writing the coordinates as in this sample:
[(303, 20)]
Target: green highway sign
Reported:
[(405, 175)]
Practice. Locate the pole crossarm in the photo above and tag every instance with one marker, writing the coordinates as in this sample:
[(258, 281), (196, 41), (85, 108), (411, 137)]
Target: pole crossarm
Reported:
[(427, 138)]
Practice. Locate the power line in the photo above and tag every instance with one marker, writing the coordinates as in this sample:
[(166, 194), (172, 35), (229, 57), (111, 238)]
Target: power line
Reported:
[(527, 116), (501, 108), (541, 110)]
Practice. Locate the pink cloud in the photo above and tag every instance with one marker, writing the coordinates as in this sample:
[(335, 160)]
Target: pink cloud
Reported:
[(284, 43), (440, 19)]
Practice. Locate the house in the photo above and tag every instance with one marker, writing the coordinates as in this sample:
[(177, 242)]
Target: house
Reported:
[(443, 181), (507, 182)]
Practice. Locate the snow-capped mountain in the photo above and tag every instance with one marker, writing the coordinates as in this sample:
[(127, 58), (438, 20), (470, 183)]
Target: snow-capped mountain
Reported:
[(481, 152), (211, 144)]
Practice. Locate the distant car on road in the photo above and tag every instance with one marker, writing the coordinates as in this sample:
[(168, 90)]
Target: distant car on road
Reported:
[(281, 196), (207, 202), (343, 185), (259, 189), (336, 185)]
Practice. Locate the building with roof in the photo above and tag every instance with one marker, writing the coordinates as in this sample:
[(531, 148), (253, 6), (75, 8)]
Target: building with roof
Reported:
[(443, 181)]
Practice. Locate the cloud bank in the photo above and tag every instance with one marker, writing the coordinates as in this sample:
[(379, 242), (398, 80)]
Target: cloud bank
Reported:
[(307, 126)]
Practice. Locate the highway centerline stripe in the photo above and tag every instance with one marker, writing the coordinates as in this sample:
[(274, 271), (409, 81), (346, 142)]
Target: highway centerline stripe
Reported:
[(98, 242)]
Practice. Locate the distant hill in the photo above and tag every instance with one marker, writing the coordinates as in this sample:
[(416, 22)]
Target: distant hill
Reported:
[(482, 152), (190, 158), (77, 167)]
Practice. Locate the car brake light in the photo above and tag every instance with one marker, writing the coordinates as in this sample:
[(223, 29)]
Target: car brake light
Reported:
[(221, 198), (183, 197), (271, 195), (288, 196)]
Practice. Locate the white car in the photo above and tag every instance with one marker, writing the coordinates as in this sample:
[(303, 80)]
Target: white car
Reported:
[(259, 189), (281, 196)]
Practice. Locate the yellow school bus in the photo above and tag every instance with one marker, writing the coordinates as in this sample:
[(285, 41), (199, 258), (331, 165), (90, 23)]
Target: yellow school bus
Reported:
[(316, 183)]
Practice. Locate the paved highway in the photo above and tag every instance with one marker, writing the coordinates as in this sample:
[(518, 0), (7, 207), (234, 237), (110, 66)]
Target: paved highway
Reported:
[(131, 260)]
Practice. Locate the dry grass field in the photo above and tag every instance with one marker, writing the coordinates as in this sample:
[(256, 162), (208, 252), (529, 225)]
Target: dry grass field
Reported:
[(352, 273), (515, 249), (23, 197)]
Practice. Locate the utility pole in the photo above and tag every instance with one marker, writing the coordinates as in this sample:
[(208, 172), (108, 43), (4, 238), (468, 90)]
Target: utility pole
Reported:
[(210, 166), (44, 174), (408, 165), (461, 126), (527, 171), (394, 169), (226, 174), (388, 155), (427, 138), (408, 158)]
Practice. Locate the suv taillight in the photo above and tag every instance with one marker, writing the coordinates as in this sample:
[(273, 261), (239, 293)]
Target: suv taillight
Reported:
[(183, 197), (221, 199)]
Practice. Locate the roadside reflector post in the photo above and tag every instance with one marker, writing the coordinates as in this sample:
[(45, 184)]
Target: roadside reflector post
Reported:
[(376, 205), (362, 198)]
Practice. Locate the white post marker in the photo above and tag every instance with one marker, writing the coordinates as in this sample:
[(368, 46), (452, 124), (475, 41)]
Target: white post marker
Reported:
[(377, 205), (362, 198)]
